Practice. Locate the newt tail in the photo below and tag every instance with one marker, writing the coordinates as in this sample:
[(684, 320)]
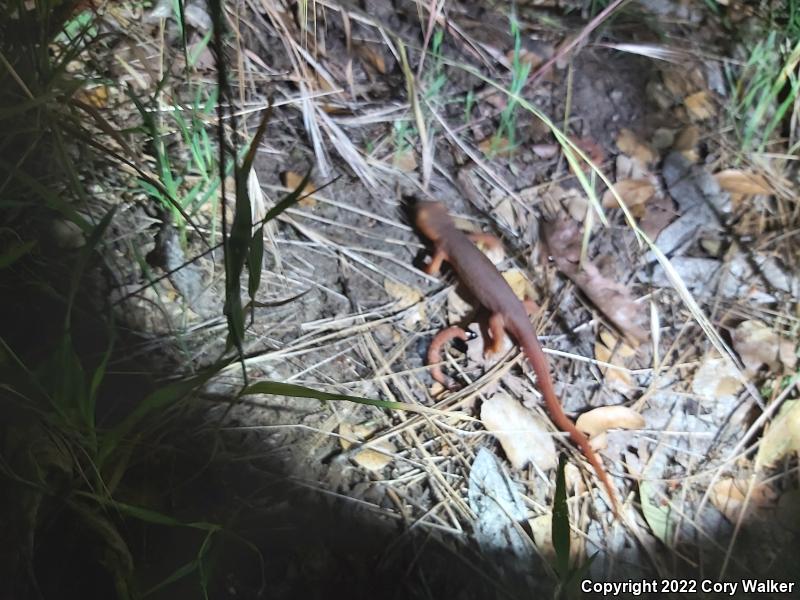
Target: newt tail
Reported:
[(507, 315)]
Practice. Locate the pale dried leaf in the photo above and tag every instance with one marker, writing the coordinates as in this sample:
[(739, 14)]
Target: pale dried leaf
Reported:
[(504, 212), (291, 180), (494, 146), (687, 139), (787, 353), (368, 458), (373, 460), (677, 82), (521, 432), (783, 435), (615, 378), (756, 345), (405, 161), (542, 529), (634, 192), (405, 295), (371, 55), (619, 347), (630, 144), (458, 307), (743, 182), (603, 418), (716, 378), (728, 496), (700, 106), (519, 283)]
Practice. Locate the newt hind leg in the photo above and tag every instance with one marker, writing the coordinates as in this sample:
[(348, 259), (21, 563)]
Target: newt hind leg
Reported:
[(497, 333)]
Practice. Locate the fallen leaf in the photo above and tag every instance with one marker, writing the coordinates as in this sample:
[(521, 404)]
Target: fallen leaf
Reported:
[(404, 295), (700, 106), (743, 182), (728, 496), (716, 378), (628, 143), (291, 180), (542, 529), (756, 344), (404, 161), (603, 418), (458, 307), (545, 150), (504, 212), (634, 192), (658, 513), (372, 458), (96, 96), (787, 353), (677, 82), (783, 435), (616, 378), (495, 146), (659, 212), (563, 239), (519, 283), (520, 431), (619, 347), (371, 56), (592, 150)]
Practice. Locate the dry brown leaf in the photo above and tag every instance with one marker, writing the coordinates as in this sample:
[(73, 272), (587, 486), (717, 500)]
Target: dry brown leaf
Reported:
[(659, 212), (521, 432), (728, 496), (405, 161), (458, 307), (563, 239), (787, 353), (687, 139), (96, 96), (371, 459), (677, 82), (372, 56), (291, 180), (743, 182), (756, 344), (404, 294), (716, 378), (601, 419), (612, 342), (628, 143), (783, 435), (700, 106), (634, 192), (542, 529), (494, 146), (615, 378), (519, 283)]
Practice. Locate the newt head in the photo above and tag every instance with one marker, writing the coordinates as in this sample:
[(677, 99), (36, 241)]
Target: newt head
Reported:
[(432, 220)]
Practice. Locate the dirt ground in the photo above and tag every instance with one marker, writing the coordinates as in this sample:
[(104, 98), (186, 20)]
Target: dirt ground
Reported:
[(335, 499)]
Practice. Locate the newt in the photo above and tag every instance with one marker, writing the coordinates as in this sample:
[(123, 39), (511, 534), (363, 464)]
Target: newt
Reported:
[(507, 315)]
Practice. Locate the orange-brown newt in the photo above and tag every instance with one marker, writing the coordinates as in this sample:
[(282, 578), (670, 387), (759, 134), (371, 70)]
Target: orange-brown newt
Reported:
[(507, 314)]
